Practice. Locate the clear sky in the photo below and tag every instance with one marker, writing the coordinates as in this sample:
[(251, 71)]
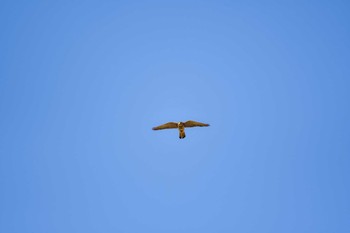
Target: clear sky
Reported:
[(83, 82)]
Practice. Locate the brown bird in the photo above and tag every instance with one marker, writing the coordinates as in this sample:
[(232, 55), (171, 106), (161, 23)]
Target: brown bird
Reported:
[(181, 126)]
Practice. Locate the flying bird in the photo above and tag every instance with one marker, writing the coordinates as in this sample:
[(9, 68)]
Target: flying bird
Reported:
[(181, 126)]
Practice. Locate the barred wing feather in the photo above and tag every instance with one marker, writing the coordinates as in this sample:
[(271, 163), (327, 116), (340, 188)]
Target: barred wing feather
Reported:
[(194, 124), (169, 125)]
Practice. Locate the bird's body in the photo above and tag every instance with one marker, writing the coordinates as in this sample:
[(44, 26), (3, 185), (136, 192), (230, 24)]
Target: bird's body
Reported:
[(180, 126)]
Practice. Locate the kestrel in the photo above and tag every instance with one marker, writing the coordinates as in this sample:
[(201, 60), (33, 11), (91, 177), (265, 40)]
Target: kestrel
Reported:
[(181, 126)]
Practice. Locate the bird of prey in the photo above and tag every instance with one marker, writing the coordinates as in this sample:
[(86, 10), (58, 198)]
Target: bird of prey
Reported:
[(181, 126)]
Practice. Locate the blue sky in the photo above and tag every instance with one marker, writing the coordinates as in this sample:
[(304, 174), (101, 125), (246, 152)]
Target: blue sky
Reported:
[(83, 83)]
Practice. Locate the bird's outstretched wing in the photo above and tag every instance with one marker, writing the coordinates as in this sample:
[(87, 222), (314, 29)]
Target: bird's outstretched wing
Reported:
[(194, 124), (169, 125)]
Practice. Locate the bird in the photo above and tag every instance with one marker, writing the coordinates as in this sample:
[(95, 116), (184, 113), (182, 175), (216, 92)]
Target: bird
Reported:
[(181, 126)]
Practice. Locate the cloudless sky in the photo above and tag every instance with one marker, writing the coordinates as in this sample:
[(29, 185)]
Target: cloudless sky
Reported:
[(83, 82)]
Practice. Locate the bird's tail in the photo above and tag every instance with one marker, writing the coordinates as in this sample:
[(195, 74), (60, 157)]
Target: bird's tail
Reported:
[(182, 134)]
